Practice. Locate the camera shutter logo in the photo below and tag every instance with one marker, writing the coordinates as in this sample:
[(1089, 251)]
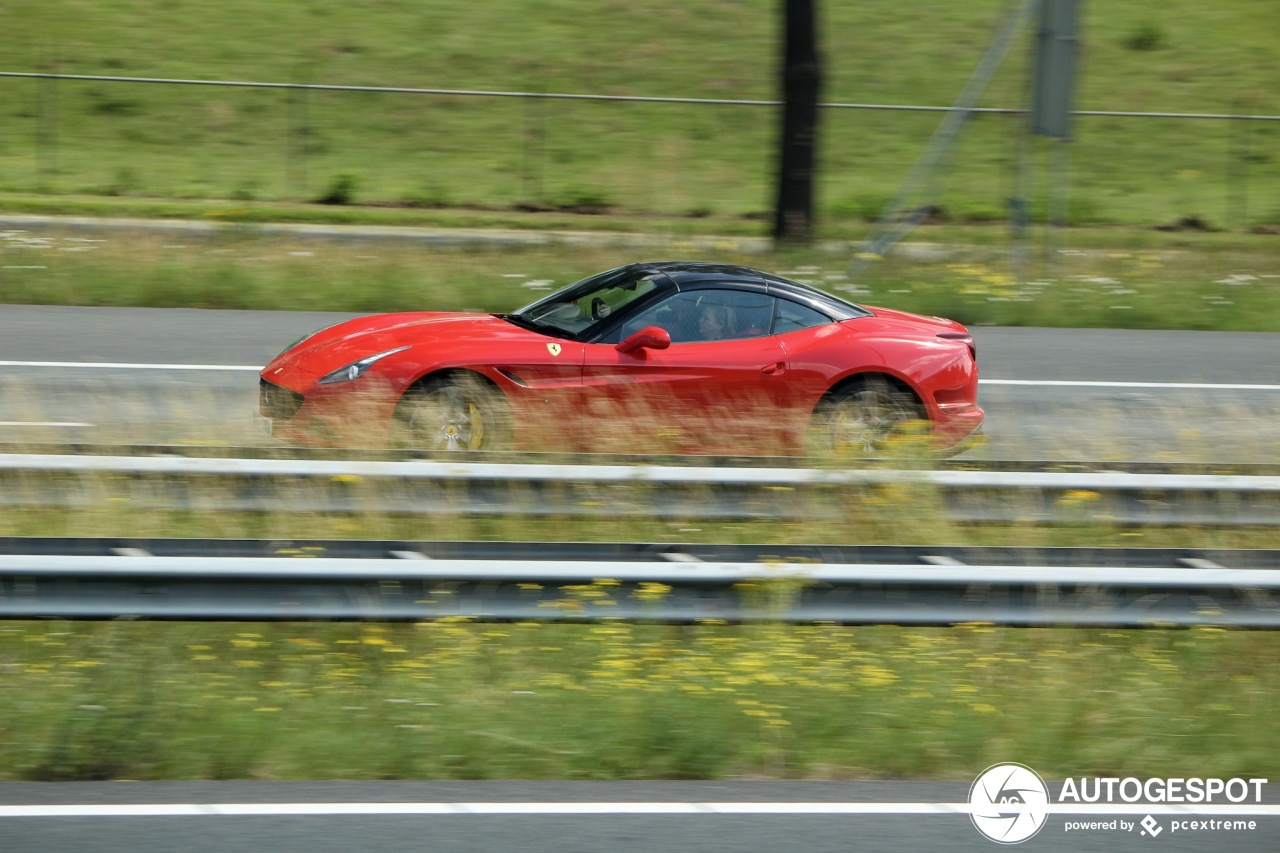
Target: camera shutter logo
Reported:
[(1009, 803)]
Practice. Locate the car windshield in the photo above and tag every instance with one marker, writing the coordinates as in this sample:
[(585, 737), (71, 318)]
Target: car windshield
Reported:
[(580, 306)]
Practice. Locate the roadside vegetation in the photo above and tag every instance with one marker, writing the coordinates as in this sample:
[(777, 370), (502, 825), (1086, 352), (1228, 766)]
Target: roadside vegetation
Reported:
[(459, 700), (1213, 281), (77, 146)]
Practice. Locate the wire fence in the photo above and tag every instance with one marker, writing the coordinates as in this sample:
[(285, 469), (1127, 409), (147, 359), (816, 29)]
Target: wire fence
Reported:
[(253, 140)]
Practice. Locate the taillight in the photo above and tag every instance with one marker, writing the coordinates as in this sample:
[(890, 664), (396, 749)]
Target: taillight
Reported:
[(962, 336)]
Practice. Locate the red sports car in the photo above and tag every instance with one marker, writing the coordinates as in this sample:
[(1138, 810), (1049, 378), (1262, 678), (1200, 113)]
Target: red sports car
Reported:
[(656, 357)]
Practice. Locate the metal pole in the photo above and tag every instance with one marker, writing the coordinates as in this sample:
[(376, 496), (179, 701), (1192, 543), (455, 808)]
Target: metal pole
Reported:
[(1021, 198), (1057, 198), (921, 184)]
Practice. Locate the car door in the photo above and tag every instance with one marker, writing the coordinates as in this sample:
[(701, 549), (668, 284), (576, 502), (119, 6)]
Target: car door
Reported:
[(542, 381), (716, 389)]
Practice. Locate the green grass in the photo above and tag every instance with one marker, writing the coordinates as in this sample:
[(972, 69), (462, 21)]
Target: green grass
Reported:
[(645, 161), (456, 700)]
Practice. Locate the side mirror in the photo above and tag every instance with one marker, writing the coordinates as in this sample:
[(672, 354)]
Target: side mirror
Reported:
[(650, 337)]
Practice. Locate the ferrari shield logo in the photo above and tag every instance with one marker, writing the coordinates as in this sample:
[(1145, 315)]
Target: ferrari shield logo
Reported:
[(554, 349)]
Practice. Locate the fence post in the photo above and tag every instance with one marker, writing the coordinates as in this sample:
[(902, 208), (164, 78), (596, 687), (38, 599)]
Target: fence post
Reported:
[(46, 127), (297, 137), (535, 119), (1238, 171)]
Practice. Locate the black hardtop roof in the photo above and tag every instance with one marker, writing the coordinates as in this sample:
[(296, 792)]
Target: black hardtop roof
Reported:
[(689, 272), (679, 271)]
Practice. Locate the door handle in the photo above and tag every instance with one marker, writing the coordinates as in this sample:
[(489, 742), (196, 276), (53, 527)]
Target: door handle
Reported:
[(774, 369)]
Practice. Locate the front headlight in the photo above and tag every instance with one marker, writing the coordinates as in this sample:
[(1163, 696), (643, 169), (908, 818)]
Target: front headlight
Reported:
[(357, 368)]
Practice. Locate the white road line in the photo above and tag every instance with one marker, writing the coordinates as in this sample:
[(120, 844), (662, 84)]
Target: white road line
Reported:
[(1047, 383), (1076, 383), (116, 365), (597, 808), (69, 424)]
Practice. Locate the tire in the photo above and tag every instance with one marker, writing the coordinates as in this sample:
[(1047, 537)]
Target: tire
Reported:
[(455, 413), (862, 418)]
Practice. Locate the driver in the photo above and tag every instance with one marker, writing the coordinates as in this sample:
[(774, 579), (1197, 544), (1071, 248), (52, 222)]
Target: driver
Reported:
[(715, 321)]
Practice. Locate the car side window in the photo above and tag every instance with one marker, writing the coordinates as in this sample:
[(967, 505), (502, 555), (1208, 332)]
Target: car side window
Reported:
[(792, 316), (699, 316)]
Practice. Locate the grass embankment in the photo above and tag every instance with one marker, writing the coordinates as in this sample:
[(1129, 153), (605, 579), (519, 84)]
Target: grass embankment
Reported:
[(648, 161), (1211, 281)]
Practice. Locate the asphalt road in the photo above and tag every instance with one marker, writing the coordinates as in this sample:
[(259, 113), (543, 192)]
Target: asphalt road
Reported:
[(561, 817), (71, 374)]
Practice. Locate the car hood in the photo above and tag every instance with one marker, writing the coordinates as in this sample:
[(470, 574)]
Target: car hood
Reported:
[(352, 340)]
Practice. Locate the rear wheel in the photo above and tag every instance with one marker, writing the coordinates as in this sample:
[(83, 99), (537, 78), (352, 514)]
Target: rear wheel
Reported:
[(453, 413), (862, 418)]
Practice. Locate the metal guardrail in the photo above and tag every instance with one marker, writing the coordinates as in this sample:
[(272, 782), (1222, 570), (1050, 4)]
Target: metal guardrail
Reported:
[(671, 491), (237, 580), (428, 469), (282, 451)]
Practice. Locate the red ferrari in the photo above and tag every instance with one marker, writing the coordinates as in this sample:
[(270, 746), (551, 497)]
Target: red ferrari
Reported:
[(654, 357)]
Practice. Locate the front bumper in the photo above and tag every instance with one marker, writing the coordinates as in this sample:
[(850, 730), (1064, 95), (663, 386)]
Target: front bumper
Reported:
[(277, 402), (329, 416)]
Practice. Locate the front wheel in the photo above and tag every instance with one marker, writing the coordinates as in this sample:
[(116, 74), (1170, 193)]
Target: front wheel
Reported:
[(862, 419), (454, 413)]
